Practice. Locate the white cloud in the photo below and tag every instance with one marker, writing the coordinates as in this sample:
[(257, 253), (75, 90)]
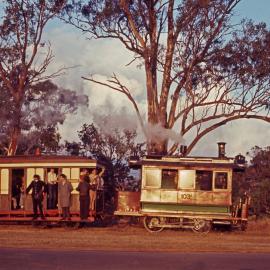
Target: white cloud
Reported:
[(240, 137), (102, 58)]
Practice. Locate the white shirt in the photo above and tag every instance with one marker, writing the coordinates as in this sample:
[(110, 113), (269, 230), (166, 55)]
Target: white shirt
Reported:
[(52, 178)]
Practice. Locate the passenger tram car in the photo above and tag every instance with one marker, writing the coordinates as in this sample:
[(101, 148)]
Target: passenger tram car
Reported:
[(185, 192), (19, 170)]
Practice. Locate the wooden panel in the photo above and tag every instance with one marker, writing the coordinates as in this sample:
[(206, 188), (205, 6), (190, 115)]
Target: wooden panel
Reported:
[(128, 201), (204, 197), (169, 196), (75, 203), (186, 197), (222, 198), (4, 202), (28, 206), (151, 195)]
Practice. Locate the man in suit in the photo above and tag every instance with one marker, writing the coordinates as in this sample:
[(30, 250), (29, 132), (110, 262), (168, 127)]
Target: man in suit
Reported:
[(38, 188)]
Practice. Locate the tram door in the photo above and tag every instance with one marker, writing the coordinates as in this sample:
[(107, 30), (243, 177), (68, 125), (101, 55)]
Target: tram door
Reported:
[(52, 196), (17, 189)]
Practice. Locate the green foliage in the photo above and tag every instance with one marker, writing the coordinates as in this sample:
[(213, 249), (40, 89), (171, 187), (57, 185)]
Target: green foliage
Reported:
[(45, 106), (113, 148), (258, 175)]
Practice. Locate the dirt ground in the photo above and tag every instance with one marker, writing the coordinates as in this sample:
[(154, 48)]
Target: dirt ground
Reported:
[(255, 239)]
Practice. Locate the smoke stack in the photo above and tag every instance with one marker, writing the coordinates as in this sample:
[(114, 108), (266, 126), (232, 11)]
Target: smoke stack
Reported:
[(183, 150), (221, 150)]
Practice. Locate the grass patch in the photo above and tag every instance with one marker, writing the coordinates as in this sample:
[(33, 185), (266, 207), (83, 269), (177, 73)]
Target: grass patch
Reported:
[(137, 239)]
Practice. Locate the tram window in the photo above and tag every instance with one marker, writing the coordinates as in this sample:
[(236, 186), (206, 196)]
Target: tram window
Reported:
[(152, 178), (204, 180), (40, 172), (169, 179), (31, 172), (75, 174), (4, 179), (187, 179), (221, 180), (66, 171)]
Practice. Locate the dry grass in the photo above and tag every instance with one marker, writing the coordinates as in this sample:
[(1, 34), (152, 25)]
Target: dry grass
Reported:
[(256, 239), (260, 226)]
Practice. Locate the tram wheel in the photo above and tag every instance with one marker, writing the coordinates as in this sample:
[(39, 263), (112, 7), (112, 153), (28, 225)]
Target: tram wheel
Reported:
[(201, 226), (152, 224)]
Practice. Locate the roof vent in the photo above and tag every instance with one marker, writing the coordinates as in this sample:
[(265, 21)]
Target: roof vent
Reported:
[(221, 150)]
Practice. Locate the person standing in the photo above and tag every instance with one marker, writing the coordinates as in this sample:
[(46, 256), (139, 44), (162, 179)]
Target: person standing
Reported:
[(38, 188), (95, 180), (83, 189), (52, 189), (64, 196), (16, 192)]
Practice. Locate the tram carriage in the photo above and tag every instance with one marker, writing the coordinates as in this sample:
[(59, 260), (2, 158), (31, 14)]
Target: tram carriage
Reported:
[(185, 192), (25, 167)]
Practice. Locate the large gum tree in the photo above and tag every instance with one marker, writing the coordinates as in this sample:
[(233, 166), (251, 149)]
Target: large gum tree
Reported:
[(211, 70), (22, 24)]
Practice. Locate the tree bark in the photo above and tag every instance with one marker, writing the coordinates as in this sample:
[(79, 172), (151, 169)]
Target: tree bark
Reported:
[(13, 143)]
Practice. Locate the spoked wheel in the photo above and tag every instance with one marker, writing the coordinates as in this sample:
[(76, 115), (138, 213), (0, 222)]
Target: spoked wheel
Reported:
[(152, 224), (201, 226)]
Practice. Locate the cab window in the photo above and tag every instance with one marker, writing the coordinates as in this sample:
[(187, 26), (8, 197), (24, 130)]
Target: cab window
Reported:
[(221, 180), (152, 178), (169, 179), (204, 180), (187, 179)]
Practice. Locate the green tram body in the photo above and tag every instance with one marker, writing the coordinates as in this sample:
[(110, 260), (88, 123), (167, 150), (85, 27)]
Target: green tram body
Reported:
[(177, 192), (27, 166)]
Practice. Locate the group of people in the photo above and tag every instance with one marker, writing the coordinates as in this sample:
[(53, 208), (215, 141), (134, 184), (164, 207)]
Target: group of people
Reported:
[(87, 187)]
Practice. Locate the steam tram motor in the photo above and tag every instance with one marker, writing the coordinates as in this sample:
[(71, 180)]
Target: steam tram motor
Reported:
[(185, 192)]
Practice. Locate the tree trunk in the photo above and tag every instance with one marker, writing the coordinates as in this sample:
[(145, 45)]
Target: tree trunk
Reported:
[(13, 143), (16, 125), (155, 115)]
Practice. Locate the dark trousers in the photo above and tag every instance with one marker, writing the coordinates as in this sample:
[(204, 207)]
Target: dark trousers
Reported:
[(52, 196), (84, 206), (37, 204), (65, 212), (18, 197)]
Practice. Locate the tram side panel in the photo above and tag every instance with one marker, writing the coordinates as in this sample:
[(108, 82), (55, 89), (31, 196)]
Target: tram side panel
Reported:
[(178, 191)]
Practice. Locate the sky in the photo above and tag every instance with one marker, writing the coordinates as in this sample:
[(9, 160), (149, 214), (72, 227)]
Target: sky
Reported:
[(103, 57)]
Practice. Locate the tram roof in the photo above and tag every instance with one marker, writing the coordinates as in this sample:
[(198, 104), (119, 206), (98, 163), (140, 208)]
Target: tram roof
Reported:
[(174, 161), (45, 159)]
